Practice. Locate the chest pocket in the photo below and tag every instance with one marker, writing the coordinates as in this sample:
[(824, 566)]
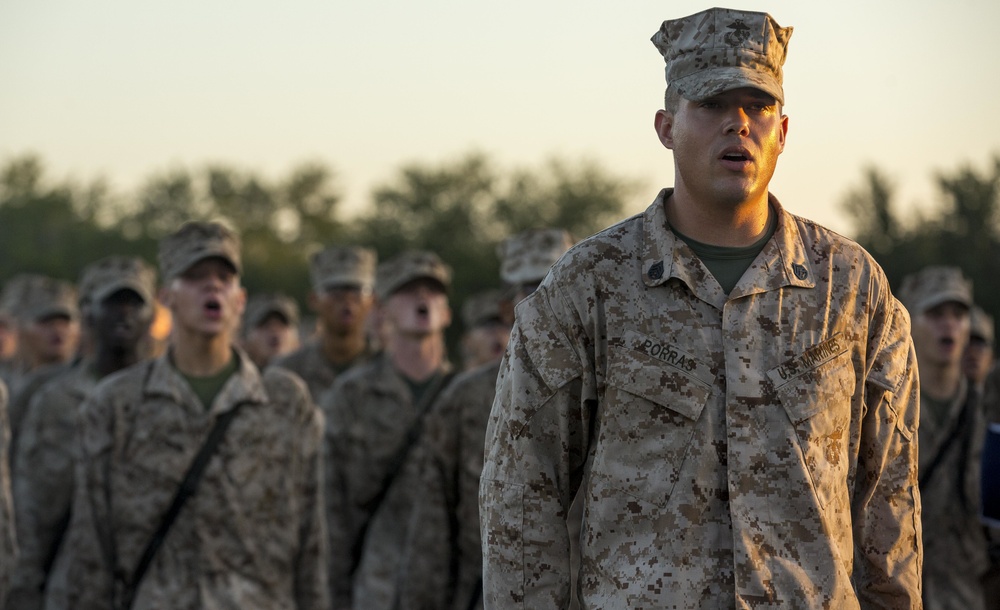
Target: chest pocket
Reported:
[(647, 424), (817, 400)]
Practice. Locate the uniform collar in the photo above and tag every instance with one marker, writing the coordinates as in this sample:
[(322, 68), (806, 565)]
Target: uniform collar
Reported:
[(782, 262), (245, 386)]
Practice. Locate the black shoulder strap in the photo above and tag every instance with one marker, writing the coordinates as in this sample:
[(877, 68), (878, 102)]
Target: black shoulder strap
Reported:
[(186, 489), (396, 464)]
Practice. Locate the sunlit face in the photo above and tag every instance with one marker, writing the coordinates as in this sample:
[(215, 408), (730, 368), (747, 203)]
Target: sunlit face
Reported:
[(207, 299), (419, 308), (121, 320), (271, 338), (49, 340), (940, 334), (342, 310), (726, 146)]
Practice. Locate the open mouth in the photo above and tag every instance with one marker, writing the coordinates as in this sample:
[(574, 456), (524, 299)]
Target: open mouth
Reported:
[(423, 310), (213, 306)]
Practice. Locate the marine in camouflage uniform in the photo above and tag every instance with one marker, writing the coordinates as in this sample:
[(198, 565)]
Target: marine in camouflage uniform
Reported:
[(952, 430), (442, 563), (374, 419), (252, 536), (116, 304), (743, 442), (270, 328), (342, 278), (8, 546), (48, 322)]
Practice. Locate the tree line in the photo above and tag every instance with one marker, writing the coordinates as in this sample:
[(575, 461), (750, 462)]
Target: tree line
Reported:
[(460, 209)]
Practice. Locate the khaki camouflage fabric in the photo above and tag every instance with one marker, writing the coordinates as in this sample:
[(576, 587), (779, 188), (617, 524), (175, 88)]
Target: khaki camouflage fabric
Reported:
[(43, 486), (369, 413), (442, 563), (751, 451), (956, 548), (309, 363), (8, 545), (252, 537), (721, 49)]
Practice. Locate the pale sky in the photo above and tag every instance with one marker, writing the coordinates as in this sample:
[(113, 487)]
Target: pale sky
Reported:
[(124, 89)]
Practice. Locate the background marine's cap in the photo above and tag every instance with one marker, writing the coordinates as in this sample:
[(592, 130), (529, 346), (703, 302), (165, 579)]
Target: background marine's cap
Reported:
[(482, 308), (339, 266), (721, 49), (408, 266), (527, 256), (37, 297), (932, 286), (106, 276), (194, 242), (260, 306), (981, 324)]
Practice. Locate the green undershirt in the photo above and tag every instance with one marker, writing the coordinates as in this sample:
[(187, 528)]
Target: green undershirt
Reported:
[(726, 264), (207, 388)]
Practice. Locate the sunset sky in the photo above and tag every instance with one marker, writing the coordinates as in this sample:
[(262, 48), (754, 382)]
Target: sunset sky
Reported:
[(123, 90)]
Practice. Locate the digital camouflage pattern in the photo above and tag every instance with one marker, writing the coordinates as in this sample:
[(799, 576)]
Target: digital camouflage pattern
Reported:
[(343, 266), (43, 486), (955, 542), (8, 545), (751, 451), (196, 241), (252, 537), (369, 413), (721, 49), (442, 562), (528, 255), (407, 266), (309, 363)]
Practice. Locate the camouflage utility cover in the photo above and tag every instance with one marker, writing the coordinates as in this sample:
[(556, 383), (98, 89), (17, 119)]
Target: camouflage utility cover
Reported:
[(343, 266), (751, 451), (721, 49), (252, 537)]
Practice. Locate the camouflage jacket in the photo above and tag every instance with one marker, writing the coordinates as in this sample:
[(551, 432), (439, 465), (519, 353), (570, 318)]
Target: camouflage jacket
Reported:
[(751, 451), (252, 537), (369, 413), (443, 562), (956, 548), (8, 547), (43, 482), (309, 363)]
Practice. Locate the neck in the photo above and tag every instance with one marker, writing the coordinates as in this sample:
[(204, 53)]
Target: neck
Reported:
[(416, 358), (108, 360), (342, 349), (940, 382), (731, 226), (203, 356)]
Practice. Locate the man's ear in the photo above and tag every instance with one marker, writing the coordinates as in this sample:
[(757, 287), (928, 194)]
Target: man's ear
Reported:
[(664, 124)]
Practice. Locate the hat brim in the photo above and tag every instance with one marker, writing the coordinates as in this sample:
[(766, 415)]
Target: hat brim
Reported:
[(703, 84)]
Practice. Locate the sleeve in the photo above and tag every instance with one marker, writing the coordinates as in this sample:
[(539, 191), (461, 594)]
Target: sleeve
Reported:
[(339, 516), (533, 447), (886, 501), (42, 487), (90, 546), (311, 587)]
